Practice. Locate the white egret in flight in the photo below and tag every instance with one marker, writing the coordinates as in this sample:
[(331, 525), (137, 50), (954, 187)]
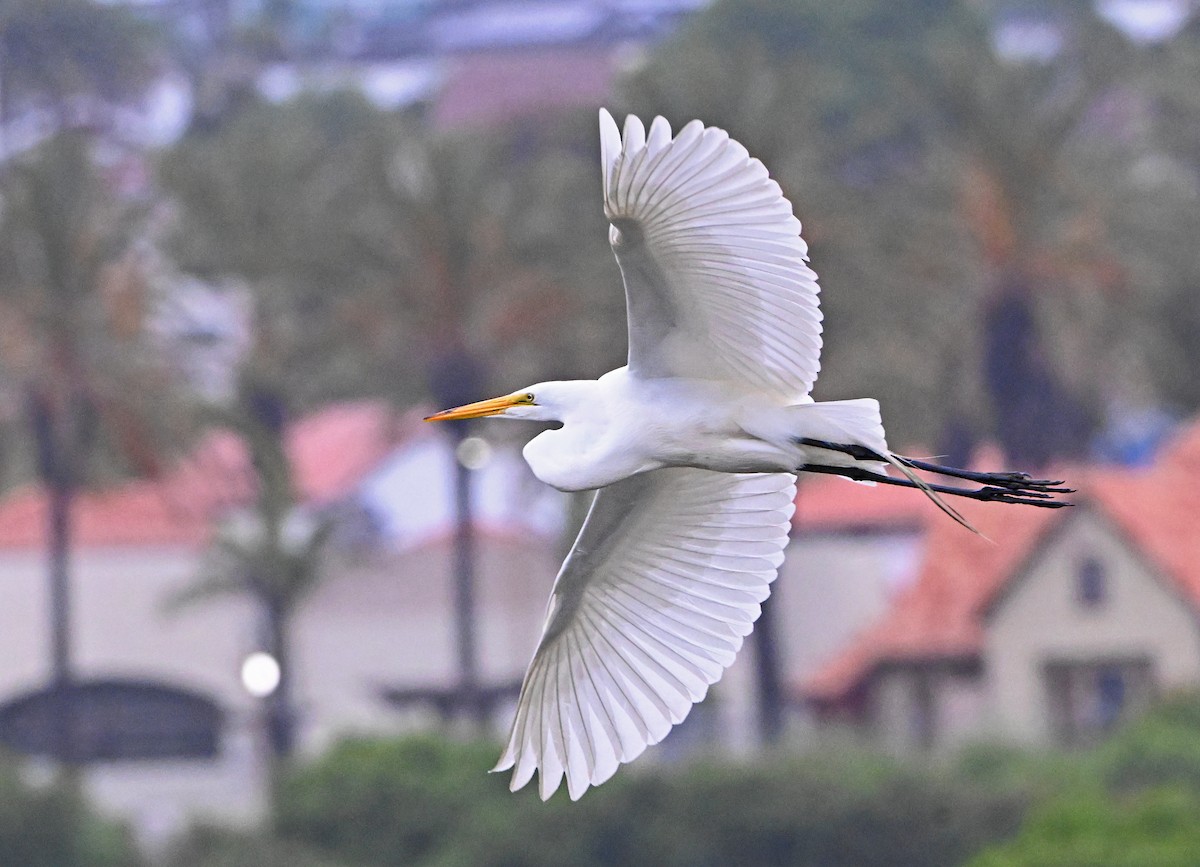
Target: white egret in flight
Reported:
[(693, 448)]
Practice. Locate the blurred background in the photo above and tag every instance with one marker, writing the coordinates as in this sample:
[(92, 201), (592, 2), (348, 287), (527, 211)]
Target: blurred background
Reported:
[(253, 612)]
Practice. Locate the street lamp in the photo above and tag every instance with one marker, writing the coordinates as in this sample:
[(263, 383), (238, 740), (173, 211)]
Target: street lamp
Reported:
[(261, 674)]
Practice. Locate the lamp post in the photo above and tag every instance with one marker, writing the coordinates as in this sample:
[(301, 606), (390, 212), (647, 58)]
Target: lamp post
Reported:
[(456, 378)]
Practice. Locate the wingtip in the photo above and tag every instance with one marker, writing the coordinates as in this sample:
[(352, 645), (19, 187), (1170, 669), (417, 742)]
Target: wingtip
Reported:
[(548, 783), (635, 134), (610, 147)]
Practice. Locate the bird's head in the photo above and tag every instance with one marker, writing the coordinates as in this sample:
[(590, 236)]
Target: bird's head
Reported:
[(545, 401)]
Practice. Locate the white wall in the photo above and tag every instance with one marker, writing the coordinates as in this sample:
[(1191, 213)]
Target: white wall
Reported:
[(1040, 620), (121, 627)]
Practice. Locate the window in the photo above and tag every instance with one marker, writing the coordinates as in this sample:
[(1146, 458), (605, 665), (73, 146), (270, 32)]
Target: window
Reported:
[(112, 719), (1088, 699), (1091, 583)]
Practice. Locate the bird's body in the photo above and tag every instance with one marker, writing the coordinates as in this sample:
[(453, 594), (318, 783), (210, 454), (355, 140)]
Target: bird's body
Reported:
[(693, 448), (622, 424)]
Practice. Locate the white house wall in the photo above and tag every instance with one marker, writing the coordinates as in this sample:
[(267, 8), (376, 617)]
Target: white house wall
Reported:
[(389, 622), (1040, 620), (831, 587), (120, 627)]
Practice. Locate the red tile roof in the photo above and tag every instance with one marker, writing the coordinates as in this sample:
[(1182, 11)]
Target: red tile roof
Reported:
[(941, 615), (136, 513), (938, 616), (331, 451), (826, 504)]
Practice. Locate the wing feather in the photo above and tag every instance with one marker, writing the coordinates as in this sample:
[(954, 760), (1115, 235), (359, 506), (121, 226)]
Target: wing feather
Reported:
[(650, 608), (716, 275)]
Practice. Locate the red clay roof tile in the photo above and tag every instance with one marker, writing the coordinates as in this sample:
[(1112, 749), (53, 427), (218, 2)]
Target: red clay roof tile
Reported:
[(331, 450)]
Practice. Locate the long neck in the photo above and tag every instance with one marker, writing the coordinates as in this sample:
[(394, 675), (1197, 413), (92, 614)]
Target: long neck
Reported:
[(580, 455)]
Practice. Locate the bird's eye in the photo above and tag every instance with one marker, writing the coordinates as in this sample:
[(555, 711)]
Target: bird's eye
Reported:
[(527, 397)]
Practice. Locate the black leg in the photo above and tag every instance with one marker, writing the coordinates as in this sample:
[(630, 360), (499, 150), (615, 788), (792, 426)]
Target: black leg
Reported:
[(1007, 487)]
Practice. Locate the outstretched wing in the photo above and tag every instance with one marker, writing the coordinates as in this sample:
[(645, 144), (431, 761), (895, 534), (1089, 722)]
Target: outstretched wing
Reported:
[(716, 277), (649, 609)]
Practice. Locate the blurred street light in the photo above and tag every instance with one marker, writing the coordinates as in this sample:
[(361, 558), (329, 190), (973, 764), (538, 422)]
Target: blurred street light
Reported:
[(474, 453), (260, 674)]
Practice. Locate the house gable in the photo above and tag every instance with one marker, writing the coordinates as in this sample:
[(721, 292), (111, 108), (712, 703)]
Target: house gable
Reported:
[(1086, 599)]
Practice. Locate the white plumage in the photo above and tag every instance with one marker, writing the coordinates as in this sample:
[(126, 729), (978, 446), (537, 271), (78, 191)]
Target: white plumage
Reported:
[(721, 289), (693, 447), (648, 611)]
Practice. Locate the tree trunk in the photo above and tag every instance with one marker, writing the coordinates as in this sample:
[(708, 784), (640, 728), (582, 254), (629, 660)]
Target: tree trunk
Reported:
[(464, 597), (769, 677), (60, 495), (279, 719), (280, 714)]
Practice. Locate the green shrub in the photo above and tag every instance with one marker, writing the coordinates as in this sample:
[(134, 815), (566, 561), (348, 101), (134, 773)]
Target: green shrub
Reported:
[(1155, 828), (206, 846), (428, 802), (387, 802), (1163, 748), (53, 826)]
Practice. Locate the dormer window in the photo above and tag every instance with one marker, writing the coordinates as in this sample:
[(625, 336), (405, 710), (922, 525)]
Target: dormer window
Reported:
[(1091, 583)]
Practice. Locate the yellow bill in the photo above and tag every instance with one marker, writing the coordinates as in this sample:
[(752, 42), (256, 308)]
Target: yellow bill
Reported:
[(482, 408)]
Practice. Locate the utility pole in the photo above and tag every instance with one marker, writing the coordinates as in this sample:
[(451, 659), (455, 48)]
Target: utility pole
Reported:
[(456, 378), (768, 674)]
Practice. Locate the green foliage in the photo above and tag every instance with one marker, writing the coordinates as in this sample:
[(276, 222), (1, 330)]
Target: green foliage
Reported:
[(426, 801), (217, 847), (1156, 828), (1163, 748), (1039, 773), (53, 826), (74, 319), (385, 802), (1129, 802)]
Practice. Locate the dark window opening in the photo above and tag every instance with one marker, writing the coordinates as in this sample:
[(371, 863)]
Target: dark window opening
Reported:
[(923, 722), (1092, 586)]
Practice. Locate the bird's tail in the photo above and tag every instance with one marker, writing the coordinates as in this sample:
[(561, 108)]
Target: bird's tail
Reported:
[(846, 438), (850, 422)]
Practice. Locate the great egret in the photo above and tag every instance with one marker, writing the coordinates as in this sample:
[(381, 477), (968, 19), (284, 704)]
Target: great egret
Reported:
[(693, 448)]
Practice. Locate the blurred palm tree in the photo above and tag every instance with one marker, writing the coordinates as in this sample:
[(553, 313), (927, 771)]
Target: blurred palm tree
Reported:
[(503, 238), (80, 381), (288, 204), (383, 259), (85, 394), (281, 200), (272, 552)]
